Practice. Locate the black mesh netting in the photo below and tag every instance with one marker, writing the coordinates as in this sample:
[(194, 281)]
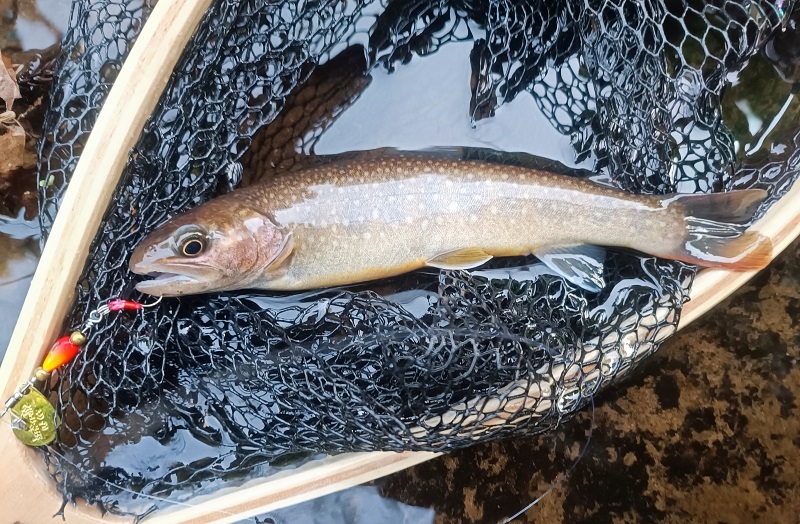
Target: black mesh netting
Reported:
[(215, 388)]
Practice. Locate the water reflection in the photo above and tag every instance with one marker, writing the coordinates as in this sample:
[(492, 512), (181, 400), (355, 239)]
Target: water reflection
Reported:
[(359, 505), (430, 100), (32, 24), (19, 253)]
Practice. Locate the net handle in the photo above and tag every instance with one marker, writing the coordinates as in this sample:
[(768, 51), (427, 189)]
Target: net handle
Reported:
[(29, 495)]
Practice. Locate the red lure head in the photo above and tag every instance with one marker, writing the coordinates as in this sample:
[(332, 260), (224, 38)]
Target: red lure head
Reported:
[(62, 352)]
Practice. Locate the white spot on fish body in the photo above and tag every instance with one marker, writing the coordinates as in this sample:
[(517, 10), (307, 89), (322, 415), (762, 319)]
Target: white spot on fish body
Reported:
[(253, 224)]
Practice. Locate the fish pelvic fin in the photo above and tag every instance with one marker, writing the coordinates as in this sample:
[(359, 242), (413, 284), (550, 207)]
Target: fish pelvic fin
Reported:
[(749, 251), (460, 259)]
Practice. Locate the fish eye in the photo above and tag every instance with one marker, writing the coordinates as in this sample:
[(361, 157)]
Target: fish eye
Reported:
[(192, 246)]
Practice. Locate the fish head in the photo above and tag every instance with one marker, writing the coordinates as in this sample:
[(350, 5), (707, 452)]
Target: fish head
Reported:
[(221, 245)]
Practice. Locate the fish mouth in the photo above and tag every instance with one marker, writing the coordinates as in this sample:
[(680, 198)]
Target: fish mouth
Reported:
[(161, 283)]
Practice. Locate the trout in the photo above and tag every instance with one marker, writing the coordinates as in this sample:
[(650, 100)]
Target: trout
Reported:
[(364, 219)]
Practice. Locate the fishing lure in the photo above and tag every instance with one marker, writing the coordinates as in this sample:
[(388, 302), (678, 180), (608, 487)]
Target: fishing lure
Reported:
[(34, 420)]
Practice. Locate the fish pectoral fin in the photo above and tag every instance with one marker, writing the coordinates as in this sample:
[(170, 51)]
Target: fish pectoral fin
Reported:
[(581, 265), (278, 265), (460, 259)]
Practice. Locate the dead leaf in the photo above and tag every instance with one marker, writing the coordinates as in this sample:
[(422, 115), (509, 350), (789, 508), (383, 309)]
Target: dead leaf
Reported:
[(9, 89), (12, 147)]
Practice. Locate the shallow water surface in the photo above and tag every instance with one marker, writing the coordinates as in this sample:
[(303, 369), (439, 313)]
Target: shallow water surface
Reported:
[(19, 253), (430, 107)]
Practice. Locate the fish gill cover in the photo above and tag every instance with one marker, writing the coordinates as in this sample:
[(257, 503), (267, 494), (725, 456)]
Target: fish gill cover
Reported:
[(212, 389)]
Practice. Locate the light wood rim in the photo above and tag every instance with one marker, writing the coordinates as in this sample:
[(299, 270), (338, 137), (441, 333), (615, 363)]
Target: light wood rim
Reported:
[(26, 491)]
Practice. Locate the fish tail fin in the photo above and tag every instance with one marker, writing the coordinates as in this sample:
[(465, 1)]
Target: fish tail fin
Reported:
[(751, 250), (714, 224)]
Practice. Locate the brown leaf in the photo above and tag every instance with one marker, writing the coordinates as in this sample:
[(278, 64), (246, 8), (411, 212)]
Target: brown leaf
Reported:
[(9, 90), (12, 148)]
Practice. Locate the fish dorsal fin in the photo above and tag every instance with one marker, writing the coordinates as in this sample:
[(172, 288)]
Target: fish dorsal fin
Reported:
[(582, 265), (460, 259), (232, 176)]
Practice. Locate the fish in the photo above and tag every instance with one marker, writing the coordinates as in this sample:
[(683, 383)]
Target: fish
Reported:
[(363, 219)]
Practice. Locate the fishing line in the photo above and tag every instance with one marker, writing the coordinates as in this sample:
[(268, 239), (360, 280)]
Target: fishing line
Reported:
[(15, 280), (563, 477)]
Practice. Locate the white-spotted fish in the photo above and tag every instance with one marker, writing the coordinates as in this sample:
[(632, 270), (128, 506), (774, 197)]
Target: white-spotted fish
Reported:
[(369, 218)]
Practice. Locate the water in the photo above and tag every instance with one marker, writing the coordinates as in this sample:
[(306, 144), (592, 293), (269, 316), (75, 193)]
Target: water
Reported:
[(19, 253), (358, 505), (38, 24), (420, 117)]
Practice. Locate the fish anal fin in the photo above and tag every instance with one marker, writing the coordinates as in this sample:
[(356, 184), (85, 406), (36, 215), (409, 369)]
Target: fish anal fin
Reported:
[(467, 258), (581, 265)]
